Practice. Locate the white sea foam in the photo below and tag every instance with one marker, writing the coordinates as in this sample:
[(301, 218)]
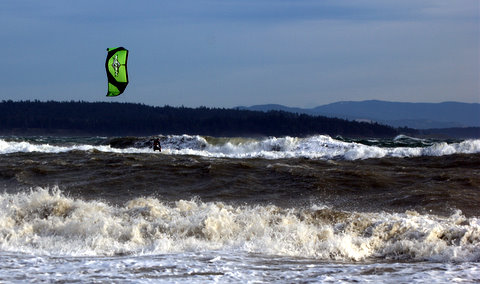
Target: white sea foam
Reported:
[(27, 147), (44, 222), (316, 147)]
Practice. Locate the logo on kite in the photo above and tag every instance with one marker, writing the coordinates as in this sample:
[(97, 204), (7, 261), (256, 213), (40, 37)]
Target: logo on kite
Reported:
[(116, 65), (116, 68)]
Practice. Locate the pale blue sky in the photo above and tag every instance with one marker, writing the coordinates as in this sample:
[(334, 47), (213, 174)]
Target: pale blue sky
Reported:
[(222, 53)]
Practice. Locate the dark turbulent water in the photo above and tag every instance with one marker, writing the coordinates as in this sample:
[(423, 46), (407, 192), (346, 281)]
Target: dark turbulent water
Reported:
[(438, 185), (239, 209)]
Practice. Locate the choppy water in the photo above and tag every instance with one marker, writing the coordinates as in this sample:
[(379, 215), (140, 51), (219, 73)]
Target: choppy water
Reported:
[(287, 209)]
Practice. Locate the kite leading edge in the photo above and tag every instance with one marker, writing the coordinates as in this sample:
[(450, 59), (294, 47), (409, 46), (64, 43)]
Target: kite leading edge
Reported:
[(116, 67)]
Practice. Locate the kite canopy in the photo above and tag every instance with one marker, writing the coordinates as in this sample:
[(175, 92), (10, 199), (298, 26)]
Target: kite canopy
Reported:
[(116, 67)]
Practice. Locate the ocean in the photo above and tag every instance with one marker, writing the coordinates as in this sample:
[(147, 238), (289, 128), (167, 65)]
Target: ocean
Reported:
[(315, 209)]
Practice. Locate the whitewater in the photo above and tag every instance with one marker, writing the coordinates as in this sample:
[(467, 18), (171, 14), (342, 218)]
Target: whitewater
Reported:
[(315, 147)]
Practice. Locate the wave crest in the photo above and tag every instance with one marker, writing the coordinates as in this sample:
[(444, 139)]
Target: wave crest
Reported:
[(315, 147), (47, 222)]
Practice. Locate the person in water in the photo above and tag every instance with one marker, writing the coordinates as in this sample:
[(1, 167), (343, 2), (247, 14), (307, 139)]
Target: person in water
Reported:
[(156, 145)]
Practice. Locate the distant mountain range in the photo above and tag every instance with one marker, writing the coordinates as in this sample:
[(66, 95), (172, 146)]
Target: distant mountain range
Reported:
[(414, 115)]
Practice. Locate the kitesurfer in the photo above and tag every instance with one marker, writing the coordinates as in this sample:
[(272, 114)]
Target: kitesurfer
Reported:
[(156, 145)]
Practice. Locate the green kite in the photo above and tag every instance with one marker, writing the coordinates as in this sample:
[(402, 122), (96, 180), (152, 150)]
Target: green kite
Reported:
[(116, 67)]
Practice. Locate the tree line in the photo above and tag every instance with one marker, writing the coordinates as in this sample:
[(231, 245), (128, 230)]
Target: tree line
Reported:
[(119, 119)]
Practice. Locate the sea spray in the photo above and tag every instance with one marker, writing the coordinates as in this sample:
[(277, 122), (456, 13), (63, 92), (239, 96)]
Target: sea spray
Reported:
[(44, 221), (314, 147)]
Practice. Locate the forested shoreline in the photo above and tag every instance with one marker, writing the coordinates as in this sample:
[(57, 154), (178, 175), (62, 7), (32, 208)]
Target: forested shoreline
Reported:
[(117, 119)]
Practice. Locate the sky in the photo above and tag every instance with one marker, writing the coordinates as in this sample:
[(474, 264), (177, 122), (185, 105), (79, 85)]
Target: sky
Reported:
[(224, 53)]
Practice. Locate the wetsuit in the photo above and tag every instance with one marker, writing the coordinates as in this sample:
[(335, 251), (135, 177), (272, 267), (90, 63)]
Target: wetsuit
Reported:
[(156, 145)]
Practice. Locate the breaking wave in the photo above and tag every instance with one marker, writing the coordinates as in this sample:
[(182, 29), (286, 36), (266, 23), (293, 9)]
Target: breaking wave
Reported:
[(315, 147), (45, 221)]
